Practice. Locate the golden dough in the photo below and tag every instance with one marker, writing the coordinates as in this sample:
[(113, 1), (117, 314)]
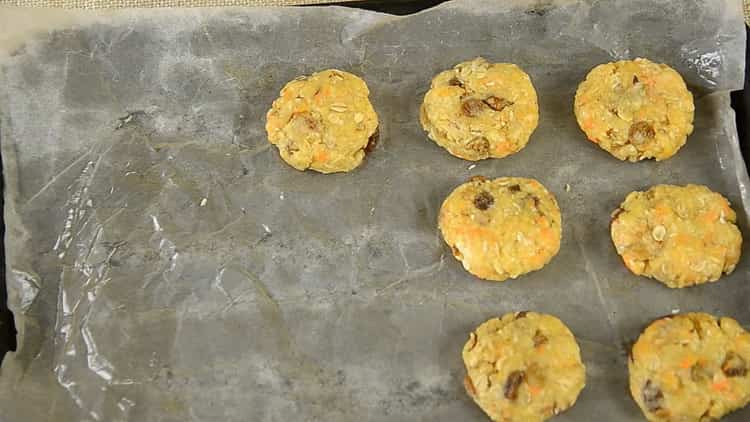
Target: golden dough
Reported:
[(690, 368), (480, 110), (524, 367), (635, 109), (323, 122), (679, 235), (501, 228)]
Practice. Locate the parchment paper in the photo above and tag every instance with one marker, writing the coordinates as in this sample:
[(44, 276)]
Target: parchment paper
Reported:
[(165, 264)]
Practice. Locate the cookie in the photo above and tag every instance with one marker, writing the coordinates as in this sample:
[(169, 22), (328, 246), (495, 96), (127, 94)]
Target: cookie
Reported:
[(480, 110), (635, 109), (679, 235), (690, 367), (501, 228), (523, 367), (323, 122)]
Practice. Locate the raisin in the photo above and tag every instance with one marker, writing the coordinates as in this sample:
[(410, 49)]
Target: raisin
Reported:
[(521, 314), (307, 118), (734, 365), (456, 82), (610, 133), (512, 384), (652, 396), (539, 339), (700, 373), (641, 132), (480, 145), (472, 107), (497, 104), (635, 79), (514, 188), (483, 200), (373, 141)]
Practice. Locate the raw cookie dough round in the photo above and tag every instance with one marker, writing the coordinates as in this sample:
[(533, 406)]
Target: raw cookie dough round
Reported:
[(691, 368), (524, 367), (501, 228), (323, 122), (679, 235), (635, 109), (480, 110)]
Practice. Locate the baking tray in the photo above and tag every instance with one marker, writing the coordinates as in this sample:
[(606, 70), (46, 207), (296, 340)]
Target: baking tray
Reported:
[(425, 315)]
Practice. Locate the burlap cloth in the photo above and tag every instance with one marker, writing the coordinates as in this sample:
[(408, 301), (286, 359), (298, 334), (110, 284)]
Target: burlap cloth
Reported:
[(112, 4)]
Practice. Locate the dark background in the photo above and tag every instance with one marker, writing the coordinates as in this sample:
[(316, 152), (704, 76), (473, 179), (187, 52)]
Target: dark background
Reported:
[(740, 102)]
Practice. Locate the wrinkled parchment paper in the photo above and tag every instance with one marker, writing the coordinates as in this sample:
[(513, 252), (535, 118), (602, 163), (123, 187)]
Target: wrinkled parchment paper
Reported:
[(165, 264)]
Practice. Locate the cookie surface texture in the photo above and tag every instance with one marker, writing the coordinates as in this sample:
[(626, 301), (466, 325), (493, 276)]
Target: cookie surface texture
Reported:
[(501, 228), (679, 235), (480, 110), (635, 109), (323, 122), (690, 367), (523, 367)]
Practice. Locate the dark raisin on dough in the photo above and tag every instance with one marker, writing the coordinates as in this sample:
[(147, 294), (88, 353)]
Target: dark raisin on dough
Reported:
[(483, 200), (539, 338), (652, 396), (497, 104), (521, 314), (307, 119), (635, 79), (699, 373), (480, 145), (456, 82), (734, 365), (373, 141), (472, 107), (512, 384), (641, 132), (610, 133), (514, 188)]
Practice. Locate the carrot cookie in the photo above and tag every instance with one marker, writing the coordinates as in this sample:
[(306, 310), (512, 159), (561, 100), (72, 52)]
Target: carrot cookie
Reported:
[(480, 110), (679, 235), (635, 109), (523, 367), (323, 122), (501, 228), (690, 367)]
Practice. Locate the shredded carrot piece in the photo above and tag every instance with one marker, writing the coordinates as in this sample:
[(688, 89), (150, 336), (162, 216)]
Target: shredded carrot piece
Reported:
[(722, 385), (711, 216), (687, 362), (534, 390)]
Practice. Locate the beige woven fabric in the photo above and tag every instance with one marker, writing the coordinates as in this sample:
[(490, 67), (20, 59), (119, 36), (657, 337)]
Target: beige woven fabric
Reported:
[(113, 4)]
